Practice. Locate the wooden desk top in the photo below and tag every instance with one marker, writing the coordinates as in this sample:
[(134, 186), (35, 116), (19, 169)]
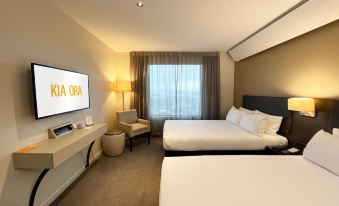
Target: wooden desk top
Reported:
[(52, 152)]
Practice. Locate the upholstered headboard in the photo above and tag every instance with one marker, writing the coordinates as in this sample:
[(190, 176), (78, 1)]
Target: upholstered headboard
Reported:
[(271, 105)]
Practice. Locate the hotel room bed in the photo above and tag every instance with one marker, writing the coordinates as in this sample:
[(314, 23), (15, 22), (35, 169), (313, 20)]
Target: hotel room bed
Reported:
[(210, 137), (246, 180), (203, 135)]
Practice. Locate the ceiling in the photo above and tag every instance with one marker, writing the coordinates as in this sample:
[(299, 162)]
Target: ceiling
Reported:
[(173, 25)]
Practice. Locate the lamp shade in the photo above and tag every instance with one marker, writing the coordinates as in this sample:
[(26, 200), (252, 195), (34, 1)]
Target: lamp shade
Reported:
[(122, 86), (301, 104)]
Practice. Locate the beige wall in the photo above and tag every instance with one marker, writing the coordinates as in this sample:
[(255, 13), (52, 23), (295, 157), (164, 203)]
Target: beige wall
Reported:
[(226, 83), (305, 66), (39, 32)]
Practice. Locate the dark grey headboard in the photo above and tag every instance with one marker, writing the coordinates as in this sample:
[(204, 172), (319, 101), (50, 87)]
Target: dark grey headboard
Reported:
[(271, 105)]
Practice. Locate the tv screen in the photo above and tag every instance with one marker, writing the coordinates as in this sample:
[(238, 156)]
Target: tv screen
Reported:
[(58, 91)]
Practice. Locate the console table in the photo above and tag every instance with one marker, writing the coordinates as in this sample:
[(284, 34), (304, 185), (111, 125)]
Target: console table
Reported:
[(50, 153)]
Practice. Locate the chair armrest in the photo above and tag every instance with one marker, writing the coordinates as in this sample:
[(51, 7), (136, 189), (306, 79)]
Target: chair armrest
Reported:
[(146, 122), (125, 127), (143, 121)]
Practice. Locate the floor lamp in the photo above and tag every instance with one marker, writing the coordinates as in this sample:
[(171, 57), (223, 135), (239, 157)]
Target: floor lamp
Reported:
[(122, 86)]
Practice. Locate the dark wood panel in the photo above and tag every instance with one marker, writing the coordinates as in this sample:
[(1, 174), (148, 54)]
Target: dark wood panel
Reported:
[(335, 115), (303, 128)]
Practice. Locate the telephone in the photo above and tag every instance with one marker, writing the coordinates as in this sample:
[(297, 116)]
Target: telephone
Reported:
[(293, 150)]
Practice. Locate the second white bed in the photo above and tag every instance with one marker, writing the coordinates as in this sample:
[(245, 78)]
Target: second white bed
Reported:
[(246, 180), (201, 135)]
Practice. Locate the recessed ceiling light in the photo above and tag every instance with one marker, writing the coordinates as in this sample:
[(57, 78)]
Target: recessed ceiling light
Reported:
[(140, 4)]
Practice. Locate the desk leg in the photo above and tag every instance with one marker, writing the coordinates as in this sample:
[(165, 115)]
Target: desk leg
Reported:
[(44, 172), (88, 153), (36, 186)]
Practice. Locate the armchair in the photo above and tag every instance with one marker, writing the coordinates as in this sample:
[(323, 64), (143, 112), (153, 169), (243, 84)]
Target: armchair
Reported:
[(134, 127)]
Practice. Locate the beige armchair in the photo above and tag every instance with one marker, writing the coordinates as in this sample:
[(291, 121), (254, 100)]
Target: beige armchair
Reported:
[(128, 121)]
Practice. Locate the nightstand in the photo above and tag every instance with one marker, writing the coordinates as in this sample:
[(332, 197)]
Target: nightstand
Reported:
[(282, 151), (285, 150)]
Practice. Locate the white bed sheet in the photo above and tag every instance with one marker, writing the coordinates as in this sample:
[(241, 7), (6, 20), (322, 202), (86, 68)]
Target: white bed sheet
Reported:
[(246, 180), (195, 135)]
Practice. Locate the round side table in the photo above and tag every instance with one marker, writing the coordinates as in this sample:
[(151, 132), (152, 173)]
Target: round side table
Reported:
[(113, 142)]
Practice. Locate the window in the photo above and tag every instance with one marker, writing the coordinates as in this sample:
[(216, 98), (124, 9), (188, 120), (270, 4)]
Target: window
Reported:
[(174, 91)]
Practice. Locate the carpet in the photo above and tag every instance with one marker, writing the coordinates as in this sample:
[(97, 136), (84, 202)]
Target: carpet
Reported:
[(131, 179)]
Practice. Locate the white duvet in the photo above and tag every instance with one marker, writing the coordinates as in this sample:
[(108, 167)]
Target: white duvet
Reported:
[(246, 181), (195, 135)]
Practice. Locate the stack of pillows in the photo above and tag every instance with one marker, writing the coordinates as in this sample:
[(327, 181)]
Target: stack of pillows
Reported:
[(322, 149), (255, 122)]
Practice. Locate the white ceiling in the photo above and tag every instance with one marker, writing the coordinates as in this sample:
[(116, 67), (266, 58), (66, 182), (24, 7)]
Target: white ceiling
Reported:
[(307, 17), (173, 25)]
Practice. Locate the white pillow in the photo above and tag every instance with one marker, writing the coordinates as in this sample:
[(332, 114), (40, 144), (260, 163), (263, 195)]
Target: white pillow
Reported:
[(323, 149), (272, 122), (335, 131), (234, 115), (254, 124), (246, 110)]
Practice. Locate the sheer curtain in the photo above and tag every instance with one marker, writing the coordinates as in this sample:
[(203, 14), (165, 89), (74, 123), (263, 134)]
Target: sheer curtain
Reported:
[(174, 93), (175, 85)]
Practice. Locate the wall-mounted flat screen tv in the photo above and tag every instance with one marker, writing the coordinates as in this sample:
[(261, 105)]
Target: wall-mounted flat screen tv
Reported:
[(58, 91)]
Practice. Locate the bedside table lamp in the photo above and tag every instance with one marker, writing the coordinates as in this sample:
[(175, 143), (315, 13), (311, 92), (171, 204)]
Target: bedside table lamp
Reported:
[(122, 86), (306, 106)]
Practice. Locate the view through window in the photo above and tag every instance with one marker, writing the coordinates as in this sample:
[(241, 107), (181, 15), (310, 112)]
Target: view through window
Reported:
[(174, 91)]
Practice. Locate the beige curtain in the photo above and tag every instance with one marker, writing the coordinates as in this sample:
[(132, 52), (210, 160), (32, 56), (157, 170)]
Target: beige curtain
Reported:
[(139, 63), (210, 81), (210, 87)]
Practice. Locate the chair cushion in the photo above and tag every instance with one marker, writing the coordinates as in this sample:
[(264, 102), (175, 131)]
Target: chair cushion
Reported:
[(127, 116), (137, 128)]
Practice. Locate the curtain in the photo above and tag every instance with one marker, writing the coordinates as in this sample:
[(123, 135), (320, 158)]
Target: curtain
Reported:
[(139, 64), (175, 85), (174, 93), (211, 87)]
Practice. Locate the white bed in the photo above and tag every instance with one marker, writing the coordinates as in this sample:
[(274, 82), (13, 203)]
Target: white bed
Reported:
[(201, 135), (246, 180)]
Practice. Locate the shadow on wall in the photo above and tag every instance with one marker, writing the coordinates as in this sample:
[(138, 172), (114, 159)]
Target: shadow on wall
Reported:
[(13, 191), (19, 182)]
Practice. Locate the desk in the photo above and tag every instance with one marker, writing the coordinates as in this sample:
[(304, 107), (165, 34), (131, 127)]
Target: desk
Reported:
[(50, 153)]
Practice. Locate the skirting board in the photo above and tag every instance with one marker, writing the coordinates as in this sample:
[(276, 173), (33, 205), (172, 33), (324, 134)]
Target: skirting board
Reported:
[(54, 195)]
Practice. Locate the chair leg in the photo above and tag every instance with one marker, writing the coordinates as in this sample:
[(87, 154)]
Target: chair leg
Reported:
[(149, 138), (131, 144)]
